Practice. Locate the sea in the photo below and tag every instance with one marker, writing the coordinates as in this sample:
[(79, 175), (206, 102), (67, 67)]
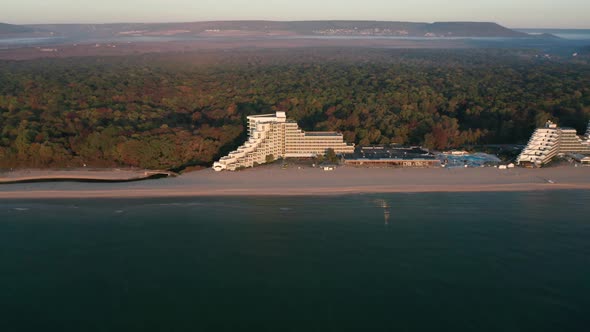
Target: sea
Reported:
[(516, 261)]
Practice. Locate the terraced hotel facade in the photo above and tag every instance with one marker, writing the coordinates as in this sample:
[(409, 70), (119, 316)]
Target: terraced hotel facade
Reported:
[(272, 136), (550, 141)]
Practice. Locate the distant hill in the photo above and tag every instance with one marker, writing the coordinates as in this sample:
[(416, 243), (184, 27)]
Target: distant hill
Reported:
[(472, 29), (409, 29), (14, 29), (546, 36), (300, 28)]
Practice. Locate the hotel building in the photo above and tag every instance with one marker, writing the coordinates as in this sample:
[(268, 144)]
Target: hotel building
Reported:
[(551, 141), (272, 136)]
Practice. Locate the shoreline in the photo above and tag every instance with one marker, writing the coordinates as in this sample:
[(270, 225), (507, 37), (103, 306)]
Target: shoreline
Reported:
[(319, 192), (271, 180), (106, 175)]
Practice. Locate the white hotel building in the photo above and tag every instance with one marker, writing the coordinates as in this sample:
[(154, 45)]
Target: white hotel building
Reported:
[(274, 135), (551, 141)]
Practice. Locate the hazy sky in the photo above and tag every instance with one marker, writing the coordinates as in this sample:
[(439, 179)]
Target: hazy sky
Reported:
[(511, 13)]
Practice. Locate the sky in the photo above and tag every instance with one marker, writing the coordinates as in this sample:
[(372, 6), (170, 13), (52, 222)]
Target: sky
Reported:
[(510, 13)]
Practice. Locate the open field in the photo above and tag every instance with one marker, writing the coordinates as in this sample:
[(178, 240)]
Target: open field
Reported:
[(272, 180)]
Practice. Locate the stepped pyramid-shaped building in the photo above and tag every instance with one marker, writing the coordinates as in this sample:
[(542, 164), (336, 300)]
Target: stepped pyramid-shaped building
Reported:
[(272, 136), (549, 141)]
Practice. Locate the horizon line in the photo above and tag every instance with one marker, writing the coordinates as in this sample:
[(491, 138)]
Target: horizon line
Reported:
[(310, 20)]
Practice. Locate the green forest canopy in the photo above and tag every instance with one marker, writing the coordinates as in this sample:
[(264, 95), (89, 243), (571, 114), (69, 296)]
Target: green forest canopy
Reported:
[(173, 110)]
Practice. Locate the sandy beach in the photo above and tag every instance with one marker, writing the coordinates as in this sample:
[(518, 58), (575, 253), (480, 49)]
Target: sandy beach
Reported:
[(272, 180)]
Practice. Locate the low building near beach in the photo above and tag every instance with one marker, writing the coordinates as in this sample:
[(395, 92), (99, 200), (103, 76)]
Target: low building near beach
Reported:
[(476, 159), (579, 158), (550, 141), (391, 156), (272, 136)]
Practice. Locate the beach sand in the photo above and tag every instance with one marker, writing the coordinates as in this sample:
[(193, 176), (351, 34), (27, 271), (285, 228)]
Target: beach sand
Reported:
[(271, 180)]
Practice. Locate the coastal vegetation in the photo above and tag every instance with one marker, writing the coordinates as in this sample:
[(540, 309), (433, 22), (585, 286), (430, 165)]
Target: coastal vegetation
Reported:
[(179, 110)]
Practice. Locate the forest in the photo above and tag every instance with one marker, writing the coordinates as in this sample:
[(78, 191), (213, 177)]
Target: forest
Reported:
[(185, 109)]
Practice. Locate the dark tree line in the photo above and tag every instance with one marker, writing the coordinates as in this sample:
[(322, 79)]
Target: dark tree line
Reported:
[(165, 111)]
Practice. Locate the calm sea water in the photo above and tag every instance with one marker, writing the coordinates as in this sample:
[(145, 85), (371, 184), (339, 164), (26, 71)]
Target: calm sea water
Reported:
[(399, 262)]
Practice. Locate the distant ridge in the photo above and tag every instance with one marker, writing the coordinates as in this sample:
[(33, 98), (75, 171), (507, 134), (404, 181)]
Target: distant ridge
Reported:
[(473, 29), (14, 29), (300, 28)]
